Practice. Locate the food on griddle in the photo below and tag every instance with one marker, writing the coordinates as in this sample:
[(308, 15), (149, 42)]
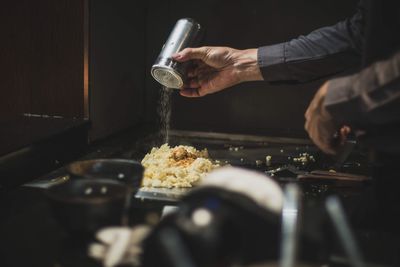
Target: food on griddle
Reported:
[(180, 166), (259, 162), (268, 159), (304, 158)]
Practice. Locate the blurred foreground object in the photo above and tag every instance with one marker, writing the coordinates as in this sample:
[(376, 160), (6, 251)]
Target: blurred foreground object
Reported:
[(233, 217)]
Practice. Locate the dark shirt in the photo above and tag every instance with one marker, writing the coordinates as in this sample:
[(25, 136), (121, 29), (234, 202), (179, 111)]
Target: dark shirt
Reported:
[(369, 100)]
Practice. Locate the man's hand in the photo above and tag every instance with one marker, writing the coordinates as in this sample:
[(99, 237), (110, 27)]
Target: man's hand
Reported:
[(321, 127), (216, 68)]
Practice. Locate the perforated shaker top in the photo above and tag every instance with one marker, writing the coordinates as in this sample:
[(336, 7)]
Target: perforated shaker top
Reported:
[(167, 77)]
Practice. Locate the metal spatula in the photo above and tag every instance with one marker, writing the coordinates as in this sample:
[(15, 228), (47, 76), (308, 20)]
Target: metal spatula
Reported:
[(344, 154)]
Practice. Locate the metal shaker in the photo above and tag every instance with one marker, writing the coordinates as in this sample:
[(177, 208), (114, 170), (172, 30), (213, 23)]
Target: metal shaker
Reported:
[(171, 74)]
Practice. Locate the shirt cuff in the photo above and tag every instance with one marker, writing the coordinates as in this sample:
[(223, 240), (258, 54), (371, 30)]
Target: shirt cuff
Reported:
[(271, 60)]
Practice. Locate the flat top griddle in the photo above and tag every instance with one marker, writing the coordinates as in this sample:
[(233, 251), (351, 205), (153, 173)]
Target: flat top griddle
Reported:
[(244, 151), (250, 152)]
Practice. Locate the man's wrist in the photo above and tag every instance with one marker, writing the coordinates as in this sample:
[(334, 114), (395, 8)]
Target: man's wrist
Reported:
[(247, 65)]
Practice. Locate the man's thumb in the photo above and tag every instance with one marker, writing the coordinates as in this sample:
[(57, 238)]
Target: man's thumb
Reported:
[(190, 54)]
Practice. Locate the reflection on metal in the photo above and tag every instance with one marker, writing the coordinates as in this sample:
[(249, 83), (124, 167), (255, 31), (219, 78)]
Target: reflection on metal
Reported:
[(59, 180), (161, 194), (290, 225), (11, 156), (342, 227), (202, 217), (47, 183), (167, 71), (86, 59), (45, 116), (240, 137)]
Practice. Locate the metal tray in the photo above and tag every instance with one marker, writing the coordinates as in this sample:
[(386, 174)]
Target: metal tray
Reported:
[(161, 194)]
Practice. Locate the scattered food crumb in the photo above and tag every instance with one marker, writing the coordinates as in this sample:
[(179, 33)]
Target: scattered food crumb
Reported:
[(268, 160), (304, 158)]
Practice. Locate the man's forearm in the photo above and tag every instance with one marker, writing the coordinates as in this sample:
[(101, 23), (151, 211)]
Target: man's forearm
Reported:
[(247, 65)]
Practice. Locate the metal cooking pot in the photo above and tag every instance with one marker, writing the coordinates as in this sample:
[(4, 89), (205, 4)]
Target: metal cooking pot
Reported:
[(83, 206), (128, 172), (97, 194)]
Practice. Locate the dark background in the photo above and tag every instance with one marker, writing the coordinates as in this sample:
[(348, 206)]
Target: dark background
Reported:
[(42, 64), (255, 108), (117, 49), (41, 58)]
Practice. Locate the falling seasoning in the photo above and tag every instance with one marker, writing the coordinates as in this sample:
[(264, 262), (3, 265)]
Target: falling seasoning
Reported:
[(164, 112)]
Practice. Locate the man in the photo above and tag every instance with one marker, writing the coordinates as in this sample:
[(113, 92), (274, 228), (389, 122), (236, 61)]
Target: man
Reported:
[(368, 101)]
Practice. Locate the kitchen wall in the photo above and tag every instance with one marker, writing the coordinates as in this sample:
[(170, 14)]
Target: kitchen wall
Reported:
[(74, 59), (255, 108), (117, 65), (41, 58), (43, 68)]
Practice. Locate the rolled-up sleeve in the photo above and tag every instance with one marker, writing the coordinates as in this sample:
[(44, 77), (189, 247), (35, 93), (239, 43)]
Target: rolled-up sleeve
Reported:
[(323, 52)]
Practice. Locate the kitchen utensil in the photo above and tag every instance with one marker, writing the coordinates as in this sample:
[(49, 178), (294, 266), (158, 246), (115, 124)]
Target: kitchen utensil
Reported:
[(293, 174), (162, 194), (165, 70), (82, 206), (129, 172), (344, 232), (290, 226), (333, 176), (344, 153)]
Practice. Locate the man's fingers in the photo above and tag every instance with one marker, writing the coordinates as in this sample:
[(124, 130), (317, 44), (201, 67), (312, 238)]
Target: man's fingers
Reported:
[(192, 84), (323, 144), (189, 92), (193, 92), (190, 54), (321, 136)]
